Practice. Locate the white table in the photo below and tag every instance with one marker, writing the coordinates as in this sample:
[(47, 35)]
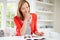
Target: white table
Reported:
[(48, 36), (22, 38)]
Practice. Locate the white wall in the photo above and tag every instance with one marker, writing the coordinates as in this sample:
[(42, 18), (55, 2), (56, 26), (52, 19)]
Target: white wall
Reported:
[(32, 5), (57, 16)]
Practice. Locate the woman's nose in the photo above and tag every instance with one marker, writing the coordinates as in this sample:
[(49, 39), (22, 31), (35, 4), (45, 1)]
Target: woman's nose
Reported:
[(26, 10)]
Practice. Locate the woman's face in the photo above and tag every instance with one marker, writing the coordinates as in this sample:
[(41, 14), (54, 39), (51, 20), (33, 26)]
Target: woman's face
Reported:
[(25, 9)]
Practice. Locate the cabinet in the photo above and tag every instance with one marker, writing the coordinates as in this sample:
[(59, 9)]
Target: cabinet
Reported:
[(45, 14)]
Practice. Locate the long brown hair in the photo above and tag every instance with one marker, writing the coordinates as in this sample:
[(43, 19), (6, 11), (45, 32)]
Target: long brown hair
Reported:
[(19, 13)]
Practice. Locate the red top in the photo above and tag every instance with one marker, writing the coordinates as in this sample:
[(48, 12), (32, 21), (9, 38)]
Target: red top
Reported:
[(19, 24)]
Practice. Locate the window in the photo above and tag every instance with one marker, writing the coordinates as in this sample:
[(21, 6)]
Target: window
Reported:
[(9, 9), (0, 14)]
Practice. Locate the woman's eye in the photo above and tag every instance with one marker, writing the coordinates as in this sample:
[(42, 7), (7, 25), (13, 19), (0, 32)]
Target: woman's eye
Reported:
[(23, 8)]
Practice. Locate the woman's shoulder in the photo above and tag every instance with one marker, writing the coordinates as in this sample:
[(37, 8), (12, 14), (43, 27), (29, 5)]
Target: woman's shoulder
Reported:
[(34, 15), (16, 18)]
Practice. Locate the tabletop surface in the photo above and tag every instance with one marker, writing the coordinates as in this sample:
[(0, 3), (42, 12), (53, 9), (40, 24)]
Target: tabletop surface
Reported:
[(28, 37)]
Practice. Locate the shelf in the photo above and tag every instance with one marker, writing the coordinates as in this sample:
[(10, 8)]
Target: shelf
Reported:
[(47, 12), (50, 4), (45, 20), (45, 29)]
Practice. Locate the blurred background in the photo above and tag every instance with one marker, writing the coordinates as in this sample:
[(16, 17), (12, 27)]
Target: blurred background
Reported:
[(48, 12)]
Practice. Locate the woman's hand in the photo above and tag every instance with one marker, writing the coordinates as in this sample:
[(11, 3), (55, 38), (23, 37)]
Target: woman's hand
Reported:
[(39, 33), (27, 16), (24, 26)]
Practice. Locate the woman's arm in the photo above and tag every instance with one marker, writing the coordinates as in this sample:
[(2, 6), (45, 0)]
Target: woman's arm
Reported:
[(39, 33), (23, 29), (35, 27), (24, 26), (20, 28)]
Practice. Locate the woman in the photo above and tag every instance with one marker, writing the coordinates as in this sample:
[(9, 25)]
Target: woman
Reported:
[(25, 21)]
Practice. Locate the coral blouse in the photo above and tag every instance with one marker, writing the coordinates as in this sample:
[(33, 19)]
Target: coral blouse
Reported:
[(18, 23)]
